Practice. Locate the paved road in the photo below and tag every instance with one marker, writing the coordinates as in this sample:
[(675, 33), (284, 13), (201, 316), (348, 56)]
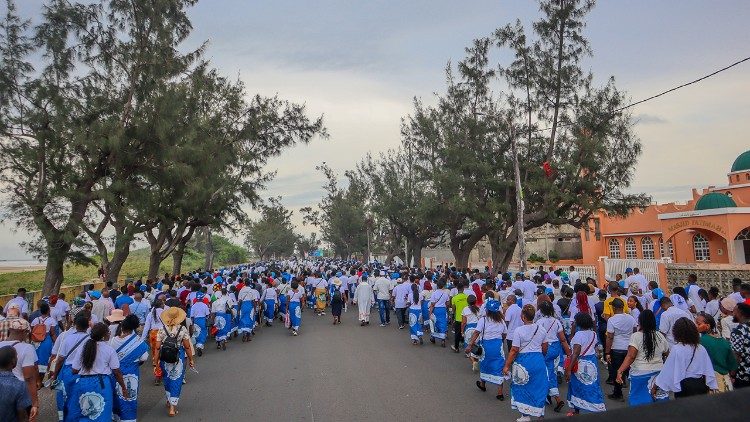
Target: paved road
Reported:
[(328, 373)]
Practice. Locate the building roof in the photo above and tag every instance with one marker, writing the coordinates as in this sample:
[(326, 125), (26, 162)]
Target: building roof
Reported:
[(714, 200), (742, 162)]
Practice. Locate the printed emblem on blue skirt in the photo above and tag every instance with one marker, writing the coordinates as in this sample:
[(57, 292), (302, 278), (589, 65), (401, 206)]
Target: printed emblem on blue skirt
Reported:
[(131, 383), (196, 330), (298, 312), (587, 372), (220, 323), (174, 370), (660, 394), (520, 374), (412, 319), (92, 405)]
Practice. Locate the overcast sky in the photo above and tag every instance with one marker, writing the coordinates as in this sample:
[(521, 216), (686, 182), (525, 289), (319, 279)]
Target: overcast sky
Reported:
[(360, 63)]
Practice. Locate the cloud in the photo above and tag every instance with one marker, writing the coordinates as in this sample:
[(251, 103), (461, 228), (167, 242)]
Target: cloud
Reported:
[(649, 119)]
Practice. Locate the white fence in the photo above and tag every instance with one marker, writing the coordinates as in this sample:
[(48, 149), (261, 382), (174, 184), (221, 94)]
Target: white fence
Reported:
[(648, 267)]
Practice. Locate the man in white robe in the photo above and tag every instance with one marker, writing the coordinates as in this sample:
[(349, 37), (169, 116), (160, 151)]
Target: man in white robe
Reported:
[(364, 298)]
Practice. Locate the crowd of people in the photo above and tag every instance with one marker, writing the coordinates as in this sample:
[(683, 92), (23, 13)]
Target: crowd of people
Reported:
[(524, 333)]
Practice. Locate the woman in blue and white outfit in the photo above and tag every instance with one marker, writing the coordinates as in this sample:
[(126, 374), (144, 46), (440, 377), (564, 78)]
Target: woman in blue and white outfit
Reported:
[(269, 299), (525, 365), (469, 319), (489, 333), (584, 391), (424, 296), (92, 395), (556, 345), (132, 352), (64, 350), (439, 312), (44, 348), (174, 373), (222, 319), (247, 298), (199, 313), (415, 311), (296, 296)]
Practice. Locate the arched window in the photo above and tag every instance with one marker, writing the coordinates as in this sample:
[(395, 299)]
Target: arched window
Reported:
[(661, 247), (631, 252), (647, 247), (743, 235), (614, 249), (700, 247), (670, 248)]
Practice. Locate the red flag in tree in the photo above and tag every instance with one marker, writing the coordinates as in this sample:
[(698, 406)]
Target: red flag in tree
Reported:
[(547, 169)]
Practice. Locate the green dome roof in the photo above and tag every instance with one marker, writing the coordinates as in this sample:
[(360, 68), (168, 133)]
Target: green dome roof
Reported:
[(714, 200), (742, 162)]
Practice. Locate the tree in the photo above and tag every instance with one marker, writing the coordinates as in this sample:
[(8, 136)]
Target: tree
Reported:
[(307, 244), (273, 234), (65, 127), (341, 214)]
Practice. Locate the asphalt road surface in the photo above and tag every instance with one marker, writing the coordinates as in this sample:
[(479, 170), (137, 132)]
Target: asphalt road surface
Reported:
[(327, 373)]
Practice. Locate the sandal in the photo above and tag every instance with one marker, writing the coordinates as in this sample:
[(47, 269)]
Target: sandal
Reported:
[(480, 386), (500, 397), (559, 406)]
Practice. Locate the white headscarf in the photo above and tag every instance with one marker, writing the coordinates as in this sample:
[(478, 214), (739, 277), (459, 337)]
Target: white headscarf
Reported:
[(679, 302)]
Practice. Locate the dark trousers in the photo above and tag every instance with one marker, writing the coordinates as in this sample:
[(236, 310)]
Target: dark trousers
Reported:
[(740, 384), (617, 356), (401, 316), (458, 336)]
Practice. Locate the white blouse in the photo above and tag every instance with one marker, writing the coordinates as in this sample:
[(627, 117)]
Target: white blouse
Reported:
[(685, 361)]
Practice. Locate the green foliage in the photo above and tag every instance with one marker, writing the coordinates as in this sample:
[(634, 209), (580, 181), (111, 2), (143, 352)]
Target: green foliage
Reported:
[(273, 234), (536, 258), (553, 256)]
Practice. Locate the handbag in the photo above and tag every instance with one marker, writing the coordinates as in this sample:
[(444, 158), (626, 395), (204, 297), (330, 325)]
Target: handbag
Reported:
[(693, 386), (574, 368), (477, 351)]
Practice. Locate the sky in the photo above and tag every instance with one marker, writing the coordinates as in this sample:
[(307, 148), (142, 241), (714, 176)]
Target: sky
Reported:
[(361, 63)]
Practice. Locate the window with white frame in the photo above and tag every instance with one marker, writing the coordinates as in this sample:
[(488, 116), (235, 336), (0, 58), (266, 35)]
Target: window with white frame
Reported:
[(631, 251), (647, 248), (614, 249), (700, 248), (670, 249)]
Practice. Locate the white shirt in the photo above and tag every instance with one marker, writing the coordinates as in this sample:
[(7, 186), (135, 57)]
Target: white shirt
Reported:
[(641, 365), (551, 327), (667, 320), (199, 310), (62, 308), (471, 318), (529, 289), (400, 294), (269, 294), (489, 329), (529, 338), (382, 288), (70, 342), (247, 293), (24, 305), (439, 298), (573, 276), (26, 356), (106, 360), (621, 327), (587, 340), (686, 361), (712, 308), (513, 319)]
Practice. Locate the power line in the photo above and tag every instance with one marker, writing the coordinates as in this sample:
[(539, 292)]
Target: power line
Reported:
[(664, 92)]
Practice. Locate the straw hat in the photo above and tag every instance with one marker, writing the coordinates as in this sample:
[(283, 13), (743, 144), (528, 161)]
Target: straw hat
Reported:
[(173, 316), (116, 315), (336, 281)]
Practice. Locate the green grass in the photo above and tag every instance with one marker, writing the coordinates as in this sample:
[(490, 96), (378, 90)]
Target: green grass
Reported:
[(135, 266)]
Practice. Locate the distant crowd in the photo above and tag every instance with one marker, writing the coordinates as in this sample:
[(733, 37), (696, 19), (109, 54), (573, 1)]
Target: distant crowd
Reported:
[(526, 333)]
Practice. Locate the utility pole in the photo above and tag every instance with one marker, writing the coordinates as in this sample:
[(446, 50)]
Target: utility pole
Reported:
[(519, 200)]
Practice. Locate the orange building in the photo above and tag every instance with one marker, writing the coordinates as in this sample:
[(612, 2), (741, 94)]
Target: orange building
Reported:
[(713, 227)]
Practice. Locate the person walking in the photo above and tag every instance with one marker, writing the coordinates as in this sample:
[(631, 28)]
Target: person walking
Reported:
[(424, 296), (364, 299), (296, 296), (26, 368), (644, 360), (399, 299), (620, 326), (131, 352), (458, 303), (337, 300), (489, 334), (248, 298), (150, 330), (62, 377), (688, 370), (719, 350), (269, 299), (222, 319), (557, 345), (581, 371), (469, 320), (15, 401), (92, 395), (199, 314), (173, 346), (525, 365), (438, 311), (382, 289), (415, 309), (43, 336)]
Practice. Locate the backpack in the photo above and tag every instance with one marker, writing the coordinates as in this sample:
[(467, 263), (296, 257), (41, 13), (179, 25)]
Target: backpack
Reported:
[(336, 296), (39, 332), (170, 348)]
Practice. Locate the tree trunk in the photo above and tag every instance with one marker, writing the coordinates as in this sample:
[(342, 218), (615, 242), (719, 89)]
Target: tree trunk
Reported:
[(415, 252), (179, 252), (462, 247), (209, 250), (119, 256), (53, 276), (502, 246), (154, 261)]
